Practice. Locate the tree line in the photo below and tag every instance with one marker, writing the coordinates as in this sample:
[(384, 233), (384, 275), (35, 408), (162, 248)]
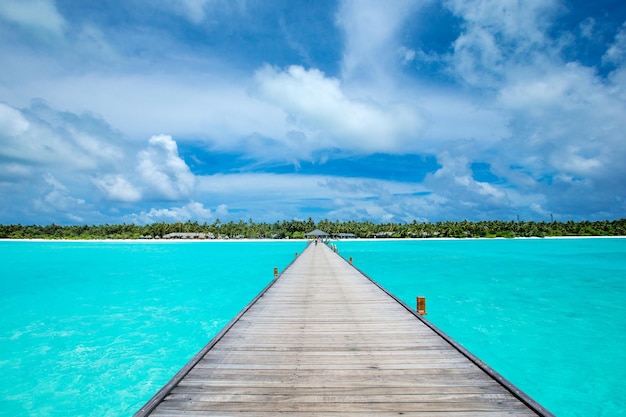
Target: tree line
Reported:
[(296, 229)]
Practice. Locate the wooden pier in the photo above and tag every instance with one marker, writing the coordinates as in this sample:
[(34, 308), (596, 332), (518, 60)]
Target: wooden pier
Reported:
[(323, 339)]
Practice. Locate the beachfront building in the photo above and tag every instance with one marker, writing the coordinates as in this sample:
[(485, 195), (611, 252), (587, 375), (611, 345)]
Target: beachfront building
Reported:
[(317, 233), (344, 235), (189, 236)]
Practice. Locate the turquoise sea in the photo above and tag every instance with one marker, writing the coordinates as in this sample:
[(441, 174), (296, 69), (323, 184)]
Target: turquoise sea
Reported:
[(96, 328)]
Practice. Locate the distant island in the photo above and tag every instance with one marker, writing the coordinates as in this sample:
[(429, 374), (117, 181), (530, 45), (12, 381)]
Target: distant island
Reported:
[(297, 229)]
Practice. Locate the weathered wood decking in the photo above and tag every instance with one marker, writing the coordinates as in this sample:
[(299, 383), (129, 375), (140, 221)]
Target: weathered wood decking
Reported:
[(324, 340)]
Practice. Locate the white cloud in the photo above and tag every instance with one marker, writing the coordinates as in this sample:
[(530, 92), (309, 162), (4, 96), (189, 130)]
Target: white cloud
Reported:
[(565, 122), (269, 188), (33, 14), (210, 106), (199, 11), (618, 83), (191, 211), (557, 88), (570, 117), (570, 161), (117, 188), (498, 34), (163, 170), (477, 58), (536, 207), (458, 192), (525, 22), (222, 210), (41, 135), (452, 117), (616, 54), (48, 160), (195, 9), (318, 105), (587, 27), (407, 55), (58, 198), (14, 171), (284, 196), (371, 30), (12, 122)]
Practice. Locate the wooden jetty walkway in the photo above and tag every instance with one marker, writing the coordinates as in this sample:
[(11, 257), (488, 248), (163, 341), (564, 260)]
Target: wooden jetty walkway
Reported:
[(324, 340)]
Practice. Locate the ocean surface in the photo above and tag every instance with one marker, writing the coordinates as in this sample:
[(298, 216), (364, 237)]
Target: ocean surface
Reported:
[(96, 328)]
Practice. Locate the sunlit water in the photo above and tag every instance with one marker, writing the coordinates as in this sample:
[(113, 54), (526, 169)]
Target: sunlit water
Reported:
[(96, 328), (548, 314)]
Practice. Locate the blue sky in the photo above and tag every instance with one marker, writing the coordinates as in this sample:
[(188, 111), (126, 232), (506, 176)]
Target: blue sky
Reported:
[(165, 110)]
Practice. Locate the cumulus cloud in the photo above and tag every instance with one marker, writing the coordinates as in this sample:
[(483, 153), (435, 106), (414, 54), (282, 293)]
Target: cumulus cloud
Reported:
[(44, 136), (526, 22), (117, 188), (559, 88), (568, 114), (317, 105), (193, 210), (563, 119), (461, 185), (498, 34), (163, 170), (58, 199), (47, 160)]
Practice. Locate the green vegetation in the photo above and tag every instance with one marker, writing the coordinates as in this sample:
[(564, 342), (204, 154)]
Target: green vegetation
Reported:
[(295, 229)]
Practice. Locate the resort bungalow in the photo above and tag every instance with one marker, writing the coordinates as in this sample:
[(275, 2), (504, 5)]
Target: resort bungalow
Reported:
[(344, 235), (189, 236), (317, 233)]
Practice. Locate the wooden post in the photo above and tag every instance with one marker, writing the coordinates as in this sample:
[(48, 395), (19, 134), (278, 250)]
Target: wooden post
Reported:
[(351, 259), (421, 305), (275, 272)]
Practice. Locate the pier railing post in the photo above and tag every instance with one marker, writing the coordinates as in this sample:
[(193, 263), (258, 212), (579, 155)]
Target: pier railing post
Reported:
[(421, 305)]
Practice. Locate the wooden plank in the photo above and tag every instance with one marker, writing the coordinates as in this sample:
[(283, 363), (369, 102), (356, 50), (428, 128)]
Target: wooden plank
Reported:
[(363, 413), (261, 405), (474, 388), (323, 339)]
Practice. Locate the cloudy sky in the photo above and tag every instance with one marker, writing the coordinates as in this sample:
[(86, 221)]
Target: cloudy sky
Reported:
[(163, 110)]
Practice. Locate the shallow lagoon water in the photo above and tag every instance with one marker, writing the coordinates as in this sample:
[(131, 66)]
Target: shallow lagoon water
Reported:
[(96, 328), (548, 314)]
